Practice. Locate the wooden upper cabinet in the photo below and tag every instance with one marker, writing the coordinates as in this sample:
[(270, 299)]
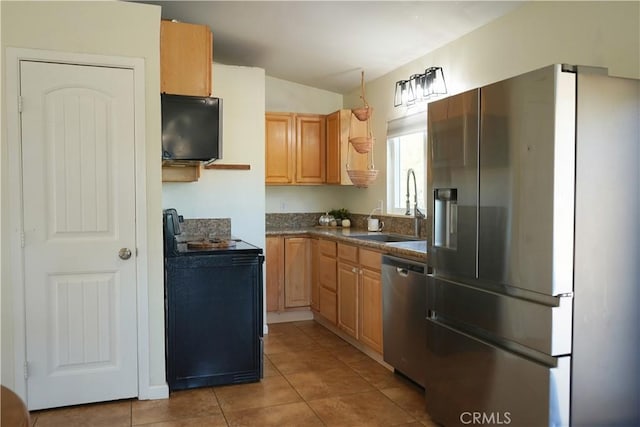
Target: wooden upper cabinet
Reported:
[(340, 125), (186, 55), (310, 149), (279, 148), (294, 148)]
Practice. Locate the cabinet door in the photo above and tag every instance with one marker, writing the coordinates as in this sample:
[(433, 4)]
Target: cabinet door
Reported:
[(340, 125), (186, 52), (334, 137), (371, 309), (297, 272), (348, 298), (327, 271), (310, 149), (328, 305), (274, 263), (315, 276), (279, 148)]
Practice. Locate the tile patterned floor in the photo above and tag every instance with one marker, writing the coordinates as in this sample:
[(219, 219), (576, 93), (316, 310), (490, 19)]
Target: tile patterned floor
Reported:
[(312, 378)]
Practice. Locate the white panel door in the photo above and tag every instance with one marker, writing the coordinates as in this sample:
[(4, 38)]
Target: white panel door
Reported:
[(77, 126)]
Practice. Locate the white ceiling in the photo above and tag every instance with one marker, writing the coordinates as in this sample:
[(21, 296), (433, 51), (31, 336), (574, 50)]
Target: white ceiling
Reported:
[(325, 44)]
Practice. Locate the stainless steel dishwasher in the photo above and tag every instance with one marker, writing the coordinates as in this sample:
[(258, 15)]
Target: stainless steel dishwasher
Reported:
[(404, 312)]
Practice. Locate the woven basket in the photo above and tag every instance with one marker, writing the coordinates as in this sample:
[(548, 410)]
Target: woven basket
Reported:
[(362, 144), (363, 113), (362, 179)]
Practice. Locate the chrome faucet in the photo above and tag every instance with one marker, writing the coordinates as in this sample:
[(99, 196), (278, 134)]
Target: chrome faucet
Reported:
[(417, 215)]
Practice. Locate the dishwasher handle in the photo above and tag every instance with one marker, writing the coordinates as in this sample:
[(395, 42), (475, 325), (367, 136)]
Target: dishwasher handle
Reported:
[(402, 271), (403, 266)]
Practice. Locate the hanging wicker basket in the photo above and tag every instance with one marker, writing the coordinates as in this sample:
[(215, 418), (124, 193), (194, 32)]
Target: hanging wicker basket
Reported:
[(362, 144), (362, 178), (362, 113)]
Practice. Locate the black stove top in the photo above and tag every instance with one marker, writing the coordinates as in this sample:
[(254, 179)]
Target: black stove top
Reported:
[(234, 246)]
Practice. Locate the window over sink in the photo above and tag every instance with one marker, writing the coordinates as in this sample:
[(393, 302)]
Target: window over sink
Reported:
[(406, 149)]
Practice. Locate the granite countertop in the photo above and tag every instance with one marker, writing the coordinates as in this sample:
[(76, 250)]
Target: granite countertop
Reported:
[(345, 235)]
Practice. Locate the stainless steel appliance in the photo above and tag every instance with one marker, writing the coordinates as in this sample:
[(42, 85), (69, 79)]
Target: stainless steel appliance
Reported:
[(532, 305), (403, 308), (213, 308)]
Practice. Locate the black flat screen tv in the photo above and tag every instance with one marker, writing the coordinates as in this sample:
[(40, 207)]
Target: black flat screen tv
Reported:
[(191, 128)]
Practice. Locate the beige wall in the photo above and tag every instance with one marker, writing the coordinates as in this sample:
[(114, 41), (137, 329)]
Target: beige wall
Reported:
[(235, 194), (605, 34), (284, 96), (106, 28)]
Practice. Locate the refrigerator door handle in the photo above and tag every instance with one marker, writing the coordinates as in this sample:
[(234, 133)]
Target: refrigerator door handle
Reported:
[(485, 338)]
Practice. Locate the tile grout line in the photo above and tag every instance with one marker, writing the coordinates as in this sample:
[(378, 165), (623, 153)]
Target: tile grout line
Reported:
[(295, 389), (379, 390)]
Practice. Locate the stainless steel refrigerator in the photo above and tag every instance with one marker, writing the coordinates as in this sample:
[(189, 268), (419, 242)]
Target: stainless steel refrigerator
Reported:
[(532, 307)]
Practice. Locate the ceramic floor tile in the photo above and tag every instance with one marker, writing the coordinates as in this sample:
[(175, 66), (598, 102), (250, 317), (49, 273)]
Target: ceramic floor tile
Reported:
[(376, 374), (331, 342), (195, 403), (361, 409), (269, 368), (275, 344), (411, 399), (342, 386), (321, 384), (268, 392), (305, 361), (315, 330), (288, 328), (209, 421), (292, 414), (112, 414), (349, 354)]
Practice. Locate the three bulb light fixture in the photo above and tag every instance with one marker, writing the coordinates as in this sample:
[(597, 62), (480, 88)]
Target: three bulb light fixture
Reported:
[(420, 87)]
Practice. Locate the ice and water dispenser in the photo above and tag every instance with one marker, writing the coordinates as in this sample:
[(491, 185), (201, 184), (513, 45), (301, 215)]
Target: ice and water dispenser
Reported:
[(445, 232)]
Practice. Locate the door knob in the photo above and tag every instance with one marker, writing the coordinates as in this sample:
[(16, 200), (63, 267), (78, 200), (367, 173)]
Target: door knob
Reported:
[(124, 253)]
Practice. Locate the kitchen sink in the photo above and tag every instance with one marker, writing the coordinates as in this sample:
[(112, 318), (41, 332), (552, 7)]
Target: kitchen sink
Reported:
[(414, 245), (384, 238)]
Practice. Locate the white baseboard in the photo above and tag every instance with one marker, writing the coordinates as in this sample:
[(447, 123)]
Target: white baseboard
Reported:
[(154, 392)]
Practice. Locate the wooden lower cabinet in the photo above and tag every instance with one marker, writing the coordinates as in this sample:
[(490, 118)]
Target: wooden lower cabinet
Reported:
[(274, 265), (371, 309), (348, 298), (327, 280), (288, 264), (360, 294), (297, 272), (315, 276)]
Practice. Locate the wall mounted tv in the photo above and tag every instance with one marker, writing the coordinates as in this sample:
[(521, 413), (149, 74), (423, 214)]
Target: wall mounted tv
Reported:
[(191, 128)]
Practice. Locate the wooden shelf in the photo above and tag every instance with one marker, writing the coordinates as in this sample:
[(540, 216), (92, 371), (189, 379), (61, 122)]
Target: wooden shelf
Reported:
[(228, 166)]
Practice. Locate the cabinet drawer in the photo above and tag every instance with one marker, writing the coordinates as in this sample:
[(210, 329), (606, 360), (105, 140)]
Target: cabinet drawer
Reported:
[(348, 252), (370, 259), (328, 247)]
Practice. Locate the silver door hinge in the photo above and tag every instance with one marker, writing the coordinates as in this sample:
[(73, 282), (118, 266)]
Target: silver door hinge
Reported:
[(22, 238), (26, 370), (19, 104)]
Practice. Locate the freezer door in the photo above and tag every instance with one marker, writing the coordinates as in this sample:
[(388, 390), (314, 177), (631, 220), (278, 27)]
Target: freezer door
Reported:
[(453, 183), (537, 329), (527, 169), (478, 383)]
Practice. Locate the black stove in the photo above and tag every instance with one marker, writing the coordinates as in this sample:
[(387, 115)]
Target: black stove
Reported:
[(213, 308)]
